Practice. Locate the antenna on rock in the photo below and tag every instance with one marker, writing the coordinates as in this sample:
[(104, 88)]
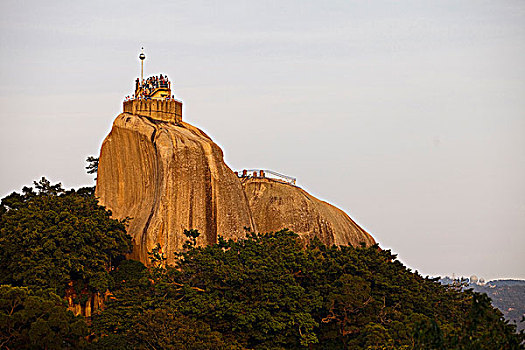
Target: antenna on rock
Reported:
[(142, 57)]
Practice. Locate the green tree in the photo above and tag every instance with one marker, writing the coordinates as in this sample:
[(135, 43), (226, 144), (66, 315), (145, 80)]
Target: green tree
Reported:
[(167, 329), (51, 237), (92, 167), (140, 314), (133, 293), (269, 291), (251, 288), (37, 320), (484, 327)]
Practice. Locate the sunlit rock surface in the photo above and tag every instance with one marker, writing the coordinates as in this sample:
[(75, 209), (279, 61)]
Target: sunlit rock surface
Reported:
[(168, 177), (275, 205)]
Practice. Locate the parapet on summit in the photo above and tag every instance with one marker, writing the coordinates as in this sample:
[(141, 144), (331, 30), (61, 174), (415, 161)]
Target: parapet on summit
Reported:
[(153, 98)]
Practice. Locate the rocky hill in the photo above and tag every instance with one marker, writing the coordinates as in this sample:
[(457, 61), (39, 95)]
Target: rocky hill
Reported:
[(167, 176)]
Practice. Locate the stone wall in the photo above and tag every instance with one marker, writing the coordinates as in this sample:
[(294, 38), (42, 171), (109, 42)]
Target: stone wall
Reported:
[(170, 111)]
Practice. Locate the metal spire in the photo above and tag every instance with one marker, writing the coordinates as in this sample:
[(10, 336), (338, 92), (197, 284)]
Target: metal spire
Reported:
[(142, 57)]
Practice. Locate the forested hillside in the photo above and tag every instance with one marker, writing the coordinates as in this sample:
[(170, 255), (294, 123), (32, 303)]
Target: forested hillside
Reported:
[(508, 296), (267, 291)]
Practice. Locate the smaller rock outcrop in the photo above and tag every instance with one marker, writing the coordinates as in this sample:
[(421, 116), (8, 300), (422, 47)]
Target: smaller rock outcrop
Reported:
[(276, 205)]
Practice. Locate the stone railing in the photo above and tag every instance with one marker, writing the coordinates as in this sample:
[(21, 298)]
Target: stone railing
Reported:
[(165, 110)]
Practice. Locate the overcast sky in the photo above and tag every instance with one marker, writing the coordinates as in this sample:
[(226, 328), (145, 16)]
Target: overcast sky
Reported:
[(408, 115)]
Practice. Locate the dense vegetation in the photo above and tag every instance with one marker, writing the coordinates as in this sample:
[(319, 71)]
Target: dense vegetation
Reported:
[(37, 319), (268, 291), (52, 243), (50, 237)]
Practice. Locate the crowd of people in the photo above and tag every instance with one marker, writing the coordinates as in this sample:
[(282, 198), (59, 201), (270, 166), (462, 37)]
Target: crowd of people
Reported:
[(152, 83), (148, 86)]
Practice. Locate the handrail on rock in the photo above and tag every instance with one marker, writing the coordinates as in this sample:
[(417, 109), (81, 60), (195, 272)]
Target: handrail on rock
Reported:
[(261, 173)]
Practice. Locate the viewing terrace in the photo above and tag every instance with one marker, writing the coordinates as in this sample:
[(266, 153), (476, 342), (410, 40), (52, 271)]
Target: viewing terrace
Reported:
[(268, 174)]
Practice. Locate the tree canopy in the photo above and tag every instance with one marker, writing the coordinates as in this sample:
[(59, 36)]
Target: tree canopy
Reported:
[(50, 237), (92, 167), (270, 292), (37, 320)]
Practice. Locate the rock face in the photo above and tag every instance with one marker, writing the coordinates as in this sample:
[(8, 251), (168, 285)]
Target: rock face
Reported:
[(169, 177), (275, 205)]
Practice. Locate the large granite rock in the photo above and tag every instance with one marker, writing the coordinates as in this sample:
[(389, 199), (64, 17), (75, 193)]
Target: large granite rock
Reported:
[(168, 177), (275, 205)]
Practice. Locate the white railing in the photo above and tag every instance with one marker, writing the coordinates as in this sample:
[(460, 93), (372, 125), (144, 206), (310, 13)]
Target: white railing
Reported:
[(262, 173)]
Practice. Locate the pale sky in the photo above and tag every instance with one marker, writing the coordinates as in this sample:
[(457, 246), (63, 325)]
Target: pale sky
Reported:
[(408, 115)]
